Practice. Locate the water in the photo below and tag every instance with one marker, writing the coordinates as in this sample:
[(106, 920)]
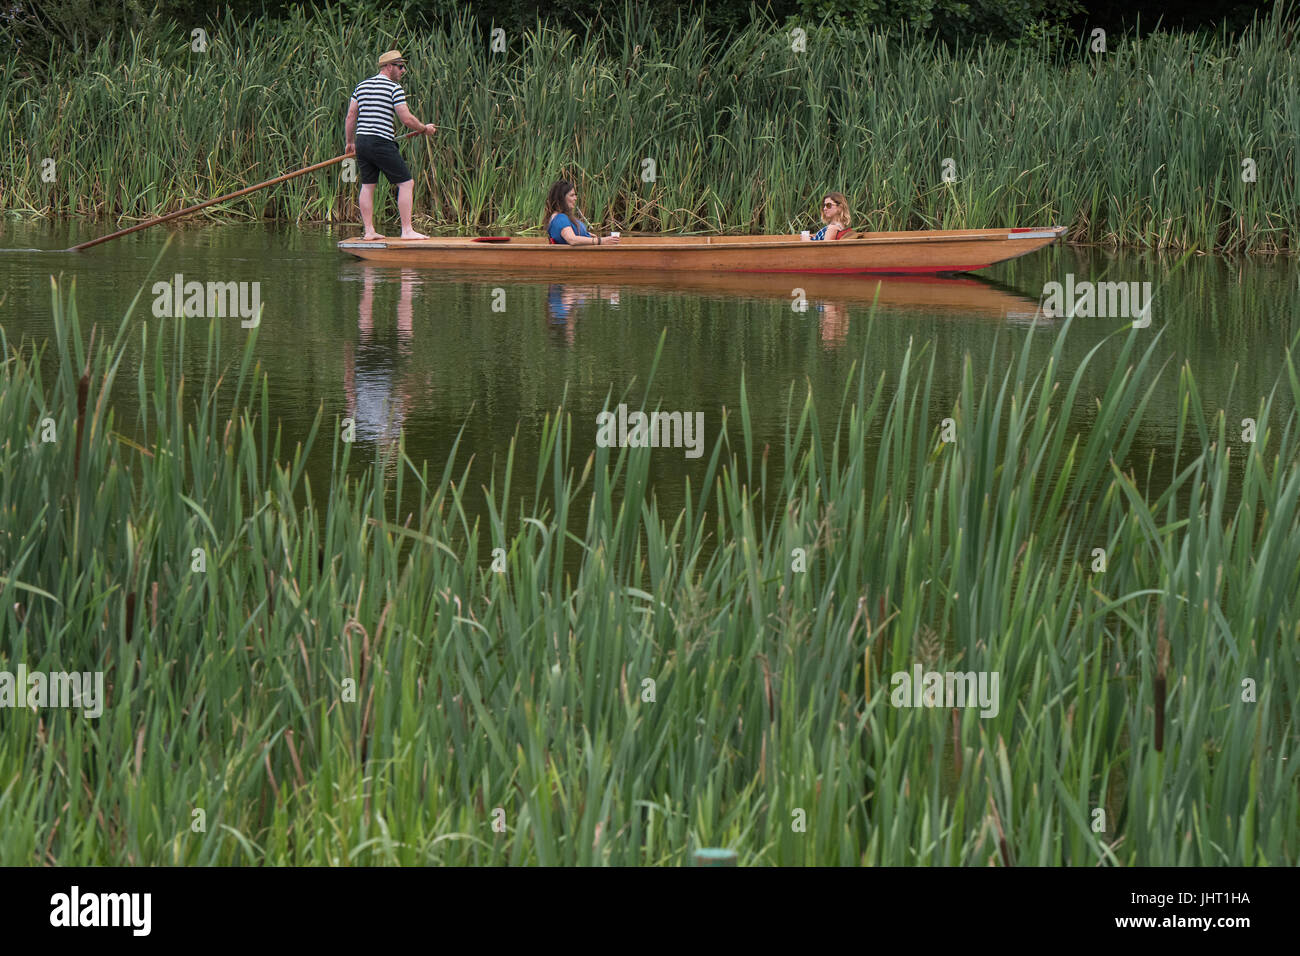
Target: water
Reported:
[(424, 353)]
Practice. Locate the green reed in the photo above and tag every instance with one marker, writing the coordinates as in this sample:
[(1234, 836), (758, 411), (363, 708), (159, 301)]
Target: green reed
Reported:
[(1141, 145), (348, 682)]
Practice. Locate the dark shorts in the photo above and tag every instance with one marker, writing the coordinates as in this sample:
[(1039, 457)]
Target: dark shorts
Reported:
[(374, 153)]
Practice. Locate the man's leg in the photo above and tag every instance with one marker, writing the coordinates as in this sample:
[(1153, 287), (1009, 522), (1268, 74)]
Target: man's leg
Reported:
[(405, 198), (367, 203)]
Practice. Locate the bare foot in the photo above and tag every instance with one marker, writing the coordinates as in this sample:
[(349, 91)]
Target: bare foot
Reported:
[(412, 234), (368, 237)]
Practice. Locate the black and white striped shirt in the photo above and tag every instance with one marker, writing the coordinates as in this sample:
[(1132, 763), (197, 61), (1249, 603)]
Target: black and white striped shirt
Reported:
[(376, 99)]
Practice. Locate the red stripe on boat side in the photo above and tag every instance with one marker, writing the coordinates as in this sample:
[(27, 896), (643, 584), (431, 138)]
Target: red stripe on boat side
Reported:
[(885, 270)]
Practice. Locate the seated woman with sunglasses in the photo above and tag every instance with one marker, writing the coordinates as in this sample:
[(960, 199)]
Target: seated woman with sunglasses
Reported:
[(836, 215)]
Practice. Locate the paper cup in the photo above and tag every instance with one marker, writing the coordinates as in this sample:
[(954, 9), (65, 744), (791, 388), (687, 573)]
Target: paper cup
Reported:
[(805, 234), (613, 235)]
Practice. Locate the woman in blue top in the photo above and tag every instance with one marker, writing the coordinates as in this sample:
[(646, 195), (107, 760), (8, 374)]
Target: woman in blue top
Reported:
[(836, 215), (562, 223)]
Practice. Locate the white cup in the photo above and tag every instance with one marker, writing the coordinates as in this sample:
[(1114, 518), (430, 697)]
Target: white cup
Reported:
[(805, 234), (613, 235)]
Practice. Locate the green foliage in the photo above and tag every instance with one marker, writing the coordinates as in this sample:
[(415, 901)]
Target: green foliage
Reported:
[(954, 21), (42, 34), (1142, 145), (524, 689), (72, 26), (887, 14)]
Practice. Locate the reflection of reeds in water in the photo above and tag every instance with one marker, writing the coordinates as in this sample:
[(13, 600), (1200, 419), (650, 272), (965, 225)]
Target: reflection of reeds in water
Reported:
[(1129, 148), (352, 660)]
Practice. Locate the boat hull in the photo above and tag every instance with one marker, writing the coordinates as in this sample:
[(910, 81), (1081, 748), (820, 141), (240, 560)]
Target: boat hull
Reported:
[(891, 253)]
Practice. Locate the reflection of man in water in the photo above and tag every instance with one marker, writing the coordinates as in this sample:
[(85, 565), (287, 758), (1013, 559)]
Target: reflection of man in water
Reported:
[(833, 323), (378, 398)]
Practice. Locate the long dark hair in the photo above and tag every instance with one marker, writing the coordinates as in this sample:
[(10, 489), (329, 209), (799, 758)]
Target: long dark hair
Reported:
[(555, 201)]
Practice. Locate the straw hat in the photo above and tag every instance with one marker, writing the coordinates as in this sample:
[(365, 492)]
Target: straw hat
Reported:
[(392, 56)]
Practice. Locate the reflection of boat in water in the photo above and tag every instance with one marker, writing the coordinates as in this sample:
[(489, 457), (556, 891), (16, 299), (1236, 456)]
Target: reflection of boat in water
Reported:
[(967, 295), (827, 298), (919, 252)]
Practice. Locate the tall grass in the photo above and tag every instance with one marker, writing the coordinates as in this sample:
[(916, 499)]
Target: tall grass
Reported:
[(231, 689), (1142, 145)]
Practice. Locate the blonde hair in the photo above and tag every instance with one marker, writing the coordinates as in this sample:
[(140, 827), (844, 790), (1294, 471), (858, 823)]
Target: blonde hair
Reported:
[(844, 217)]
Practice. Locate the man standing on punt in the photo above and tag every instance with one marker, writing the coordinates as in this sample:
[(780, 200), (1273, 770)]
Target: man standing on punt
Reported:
[(370, 137)]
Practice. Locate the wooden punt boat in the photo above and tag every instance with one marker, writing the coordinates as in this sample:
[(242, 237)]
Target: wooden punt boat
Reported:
[(896, 253)]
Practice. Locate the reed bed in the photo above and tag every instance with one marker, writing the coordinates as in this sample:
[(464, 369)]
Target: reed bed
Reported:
[(1140, 146), (349, 683)]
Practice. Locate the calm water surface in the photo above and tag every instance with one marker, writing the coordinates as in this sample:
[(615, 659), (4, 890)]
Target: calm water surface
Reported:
[(425, 354)]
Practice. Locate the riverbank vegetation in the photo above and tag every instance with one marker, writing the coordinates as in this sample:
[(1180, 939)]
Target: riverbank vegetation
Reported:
[(339, 678), (1169, 140), (36, 31)]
